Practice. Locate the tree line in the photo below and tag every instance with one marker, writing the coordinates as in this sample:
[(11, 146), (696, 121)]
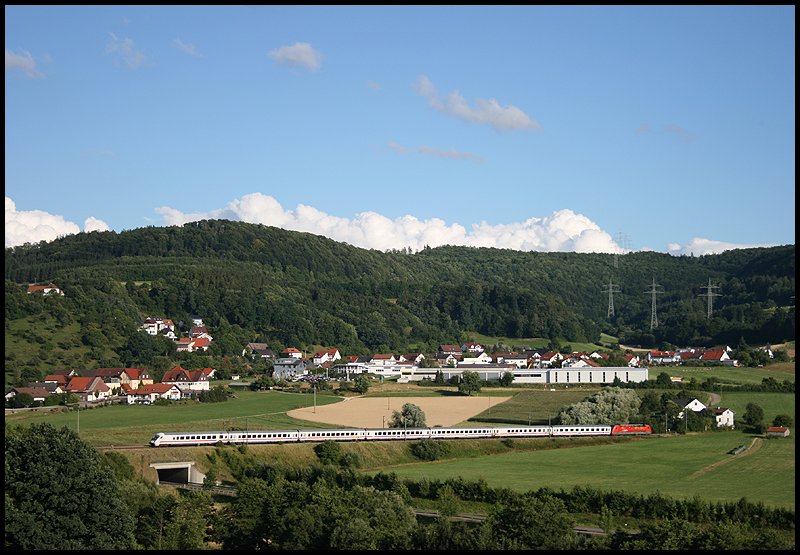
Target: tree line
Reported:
[(254, 283)]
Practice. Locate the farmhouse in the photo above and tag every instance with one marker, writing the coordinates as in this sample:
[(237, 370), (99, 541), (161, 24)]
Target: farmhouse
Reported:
[(777, 431), (48, 289), (188, 381), (724, 417)]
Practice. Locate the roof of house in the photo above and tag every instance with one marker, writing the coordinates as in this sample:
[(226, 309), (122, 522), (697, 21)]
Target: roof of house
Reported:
[(103, 372), (153, 388), (86, 384), (180, 374), (712, 354), (32, 391), (137, 373), (201, 342), (382, 357), (685, 401), (34, 288), (777, 429)]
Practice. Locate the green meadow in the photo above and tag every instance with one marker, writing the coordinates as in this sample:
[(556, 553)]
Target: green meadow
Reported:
[(678, 466), (136, 424)]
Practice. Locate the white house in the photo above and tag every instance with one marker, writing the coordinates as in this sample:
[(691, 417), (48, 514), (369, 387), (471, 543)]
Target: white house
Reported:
[(188, 381), (330, 355), (482, 358), (724, 416), (147, 394), (382, 360), (291, 352), (693, 405), (48, 289), (520, 361)]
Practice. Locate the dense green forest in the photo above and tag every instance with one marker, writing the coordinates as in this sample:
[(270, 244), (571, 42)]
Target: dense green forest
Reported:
[(251, 282)]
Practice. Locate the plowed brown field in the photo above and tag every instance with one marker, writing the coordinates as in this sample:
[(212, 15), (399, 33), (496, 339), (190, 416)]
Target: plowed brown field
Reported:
[(369, 412)]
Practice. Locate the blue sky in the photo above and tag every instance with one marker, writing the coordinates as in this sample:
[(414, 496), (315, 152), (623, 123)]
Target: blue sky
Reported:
[(587, 129)]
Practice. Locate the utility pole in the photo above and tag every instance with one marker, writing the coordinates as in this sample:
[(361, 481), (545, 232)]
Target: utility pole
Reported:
[(653, 316), (710, 296), (611, 290)]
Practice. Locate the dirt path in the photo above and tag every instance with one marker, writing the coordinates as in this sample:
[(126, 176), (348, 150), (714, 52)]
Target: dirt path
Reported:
[(755, 445)]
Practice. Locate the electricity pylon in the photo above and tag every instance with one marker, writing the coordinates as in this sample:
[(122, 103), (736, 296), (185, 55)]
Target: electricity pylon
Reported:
[(611, 290), (710, 296), (653, 316)]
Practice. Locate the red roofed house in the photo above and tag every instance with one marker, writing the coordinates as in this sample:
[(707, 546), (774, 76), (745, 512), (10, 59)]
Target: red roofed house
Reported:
[(633, 360), (382, 360), (48, 289), (330, 355), (549, 358), (778, 431), (199, 331), (59, 379), (291, 352), (146, 394), (189, 381), (715, 355), (137, 377), (579, 362), (454, 350), (88, 389), (201, 343)]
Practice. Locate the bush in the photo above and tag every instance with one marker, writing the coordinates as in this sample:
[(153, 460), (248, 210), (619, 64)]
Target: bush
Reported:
[(328, 452), (351, 460), (429, 450)]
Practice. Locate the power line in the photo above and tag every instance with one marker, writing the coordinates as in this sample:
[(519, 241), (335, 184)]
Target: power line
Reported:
[(710, 296), (653, 316), (611, 290)]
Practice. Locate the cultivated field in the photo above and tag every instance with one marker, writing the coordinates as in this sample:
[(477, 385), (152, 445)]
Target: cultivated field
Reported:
[(376, 412)]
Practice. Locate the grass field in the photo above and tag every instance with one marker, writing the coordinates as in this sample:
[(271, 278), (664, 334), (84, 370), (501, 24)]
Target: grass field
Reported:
[(778, 371), (678, 466), (136, 424)]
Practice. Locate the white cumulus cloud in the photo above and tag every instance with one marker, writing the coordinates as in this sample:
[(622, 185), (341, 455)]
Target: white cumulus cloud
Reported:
[(699, 246), (488, 112), (299, 54), (563, 230), (32, 226), (93, 224)]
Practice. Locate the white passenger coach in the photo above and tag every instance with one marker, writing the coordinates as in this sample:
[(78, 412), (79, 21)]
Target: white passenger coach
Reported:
[(178, 439)]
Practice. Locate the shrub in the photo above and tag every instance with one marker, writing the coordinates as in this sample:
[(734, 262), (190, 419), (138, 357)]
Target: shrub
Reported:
[(429, 450)]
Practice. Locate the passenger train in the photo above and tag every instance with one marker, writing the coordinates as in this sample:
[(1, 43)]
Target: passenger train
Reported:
[(178, 439)]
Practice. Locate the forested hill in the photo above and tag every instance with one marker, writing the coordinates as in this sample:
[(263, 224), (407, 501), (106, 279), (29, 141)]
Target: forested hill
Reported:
[(288, 288)]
